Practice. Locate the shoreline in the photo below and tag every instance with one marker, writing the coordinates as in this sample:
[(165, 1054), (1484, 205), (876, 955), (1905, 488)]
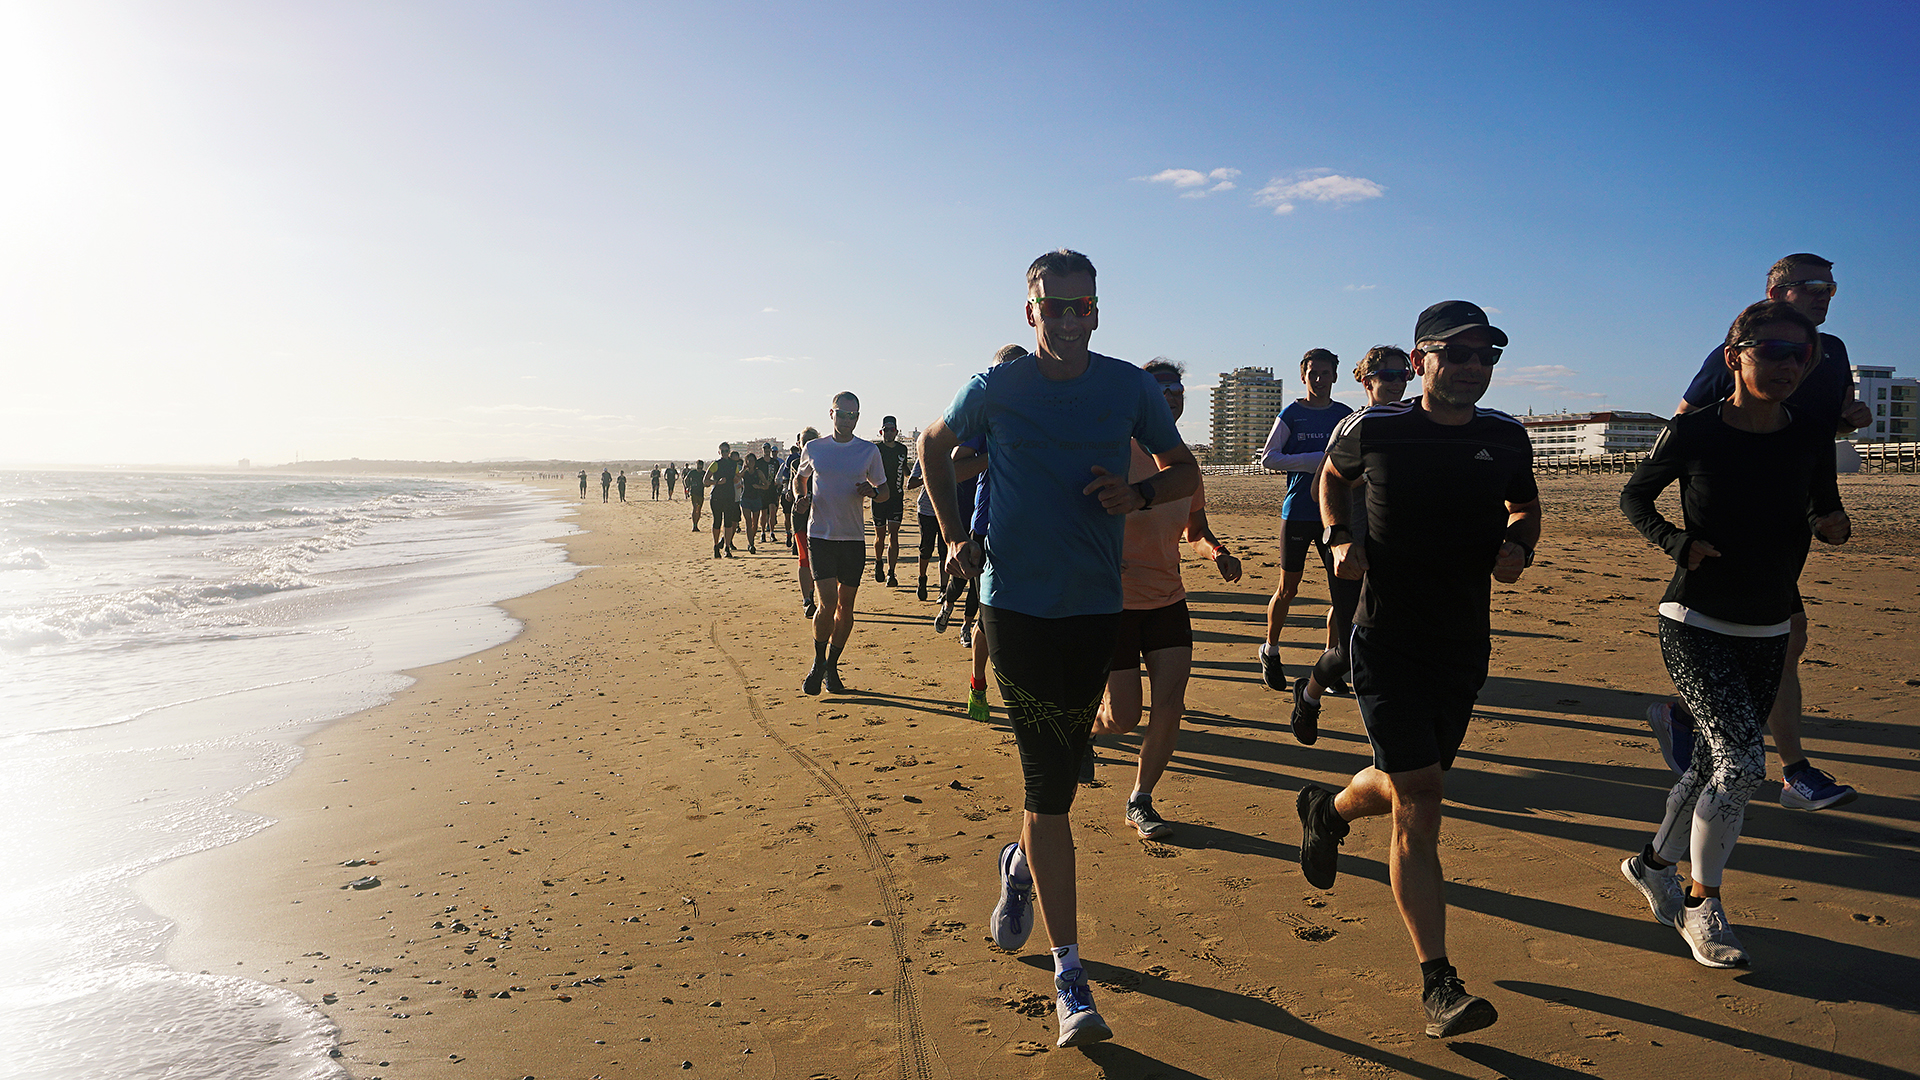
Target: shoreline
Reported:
[(629, 823)]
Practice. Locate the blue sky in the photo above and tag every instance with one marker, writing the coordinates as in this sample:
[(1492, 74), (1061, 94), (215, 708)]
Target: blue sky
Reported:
[(615, 231)]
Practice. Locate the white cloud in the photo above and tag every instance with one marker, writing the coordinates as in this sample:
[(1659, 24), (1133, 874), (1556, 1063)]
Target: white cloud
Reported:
[(1545, 379), (768, 310), (1493, 311), (1315, 185), (763, 359), (1192, 183), (1360, 288)]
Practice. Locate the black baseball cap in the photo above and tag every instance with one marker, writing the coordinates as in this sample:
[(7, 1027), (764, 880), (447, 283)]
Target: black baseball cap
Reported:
[(888, 421), (1449, 317)]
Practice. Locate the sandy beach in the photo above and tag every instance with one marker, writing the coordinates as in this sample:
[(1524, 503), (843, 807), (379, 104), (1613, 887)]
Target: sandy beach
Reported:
[(625, 844)]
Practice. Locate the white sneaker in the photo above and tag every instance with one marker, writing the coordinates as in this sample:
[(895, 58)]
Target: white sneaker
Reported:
[(1660, 887), (1012, 918), (1080, 1023), (1708, 935)]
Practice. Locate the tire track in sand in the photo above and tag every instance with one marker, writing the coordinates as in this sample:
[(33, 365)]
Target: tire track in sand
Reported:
[(916, 1054)]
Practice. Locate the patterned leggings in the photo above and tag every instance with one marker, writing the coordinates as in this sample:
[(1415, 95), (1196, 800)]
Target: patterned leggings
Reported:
[(1052, 674), (1729, 684)]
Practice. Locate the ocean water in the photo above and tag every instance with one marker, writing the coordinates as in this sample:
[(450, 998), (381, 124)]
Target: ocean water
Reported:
[(165, 642)]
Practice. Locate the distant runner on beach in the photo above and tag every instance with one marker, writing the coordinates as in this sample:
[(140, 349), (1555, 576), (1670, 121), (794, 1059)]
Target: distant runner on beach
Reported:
[(1826, 398), (606, 482), (673, 473), (656, 482), (1384, 372), (722, 478), (1296, 446), (801, 495), (887, 514), (621, 481), (1450, 500), (1155, 625), (696, 478), (1058, 423), (842, 473), (1757, 484), (583, 483)]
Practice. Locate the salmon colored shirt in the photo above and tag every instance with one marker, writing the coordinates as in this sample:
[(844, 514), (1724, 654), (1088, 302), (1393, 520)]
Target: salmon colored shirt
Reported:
[(1150, 555)]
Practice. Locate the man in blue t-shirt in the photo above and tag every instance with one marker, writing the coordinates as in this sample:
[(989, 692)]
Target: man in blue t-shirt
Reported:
[(1058, 424), (1296, 445), (1826, 395)]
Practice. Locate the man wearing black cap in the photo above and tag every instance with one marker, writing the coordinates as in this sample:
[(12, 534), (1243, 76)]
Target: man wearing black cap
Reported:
[(887, 514), (1450, 499)]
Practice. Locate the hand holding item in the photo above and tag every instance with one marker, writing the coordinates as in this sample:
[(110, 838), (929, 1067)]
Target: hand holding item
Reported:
[(1834, 528)]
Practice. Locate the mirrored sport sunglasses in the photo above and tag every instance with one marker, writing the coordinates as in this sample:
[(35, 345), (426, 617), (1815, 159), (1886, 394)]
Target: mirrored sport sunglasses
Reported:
[(1390, 374), (1488, 355), (1814, 286), (1778, 352), (1172, 388), (1055, 307)]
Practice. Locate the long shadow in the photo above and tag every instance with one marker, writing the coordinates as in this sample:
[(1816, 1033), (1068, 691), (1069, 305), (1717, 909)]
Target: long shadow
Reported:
[(1637, 1012), (1512, 1066), (1237, 1009)]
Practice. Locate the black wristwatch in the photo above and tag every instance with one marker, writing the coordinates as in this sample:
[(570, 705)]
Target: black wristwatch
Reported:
[(1145, 488), (1336, 534)]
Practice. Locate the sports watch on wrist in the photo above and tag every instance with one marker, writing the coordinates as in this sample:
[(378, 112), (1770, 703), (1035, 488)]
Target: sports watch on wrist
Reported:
[(1336, 534)]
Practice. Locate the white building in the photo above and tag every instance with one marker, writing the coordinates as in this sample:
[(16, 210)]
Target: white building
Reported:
[(1893, 400), (1591, 434), (1245, 404)]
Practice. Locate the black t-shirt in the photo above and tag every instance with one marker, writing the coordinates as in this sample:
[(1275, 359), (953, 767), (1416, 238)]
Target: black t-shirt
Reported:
[(1751, 496), (1821, 396), (893, 458), (720, 476), (1437, 498)]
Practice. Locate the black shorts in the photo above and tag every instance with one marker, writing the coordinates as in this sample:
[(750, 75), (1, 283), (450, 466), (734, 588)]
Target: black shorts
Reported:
[(1052, 674), (1416, 691), (726, 514), (931, 541), (891, 510), (1293, 549), (1147, 630), (844, 561)]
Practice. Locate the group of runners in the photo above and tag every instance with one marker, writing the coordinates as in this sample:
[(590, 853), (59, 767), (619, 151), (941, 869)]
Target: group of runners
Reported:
[(1054, 494)]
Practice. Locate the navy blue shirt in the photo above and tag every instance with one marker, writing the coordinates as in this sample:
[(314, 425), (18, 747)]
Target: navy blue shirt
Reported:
[(1822, 394)]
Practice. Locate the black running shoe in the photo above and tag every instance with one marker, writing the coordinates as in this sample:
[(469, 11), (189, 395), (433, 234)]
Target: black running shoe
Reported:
[(716, 549), (1273, 672), (812, 685), (1340, 687), (879, 573), (834, 685), (1321, 830), (811, 608), (922, 592), (1306, 715), (1452, 1011), (892, 582), (751, 550)]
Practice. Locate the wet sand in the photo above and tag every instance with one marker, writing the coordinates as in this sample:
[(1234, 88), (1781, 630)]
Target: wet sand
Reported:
[(625, 841)]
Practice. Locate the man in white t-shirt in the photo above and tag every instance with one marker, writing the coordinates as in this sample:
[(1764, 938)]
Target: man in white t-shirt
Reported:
[(843, 472)]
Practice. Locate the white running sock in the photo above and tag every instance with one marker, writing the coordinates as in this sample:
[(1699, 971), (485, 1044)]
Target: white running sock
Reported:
[(1064, 957)]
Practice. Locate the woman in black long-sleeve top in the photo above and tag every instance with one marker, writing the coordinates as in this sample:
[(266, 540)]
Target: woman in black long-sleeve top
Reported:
[(1756, 481)]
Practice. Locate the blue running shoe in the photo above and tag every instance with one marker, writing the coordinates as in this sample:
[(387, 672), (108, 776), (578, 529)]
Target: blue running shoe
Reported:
[(1012, 918), (1673, 730), (1811, 789), (1080, 1022)]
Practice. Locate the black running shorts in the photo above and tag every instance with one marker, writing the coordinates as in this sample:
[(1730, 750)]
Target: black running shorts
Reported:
[(726, 514), (1052, 674), (844, 561), (890, 511), (1147, 630), (930, 539), (1416, 692), (1301, 535)]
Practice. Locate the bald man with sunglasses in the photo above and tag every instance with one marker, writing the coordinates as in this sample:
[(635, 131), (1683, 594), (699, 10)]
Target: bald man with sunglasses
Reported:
[(1805, 282)]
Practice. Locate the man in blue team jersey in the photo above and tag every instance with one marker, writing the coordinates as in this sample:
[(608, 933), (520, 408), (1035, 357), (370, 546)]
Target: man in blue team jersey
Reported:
[(1059, 424), (1804, 281), (1296, 446)]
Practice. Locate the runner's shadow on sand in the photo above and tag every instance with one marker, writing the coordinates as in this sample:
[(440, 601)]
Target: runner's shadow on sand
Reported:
[(1512, 1066), (1635, 1012), (1213, 1004)]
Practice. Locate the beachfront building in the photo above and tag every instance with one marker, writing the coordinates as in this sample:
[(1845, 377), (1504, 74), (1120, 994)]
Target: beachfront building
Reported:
[(1592, 434), (1245, 403), (1893, 400)]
